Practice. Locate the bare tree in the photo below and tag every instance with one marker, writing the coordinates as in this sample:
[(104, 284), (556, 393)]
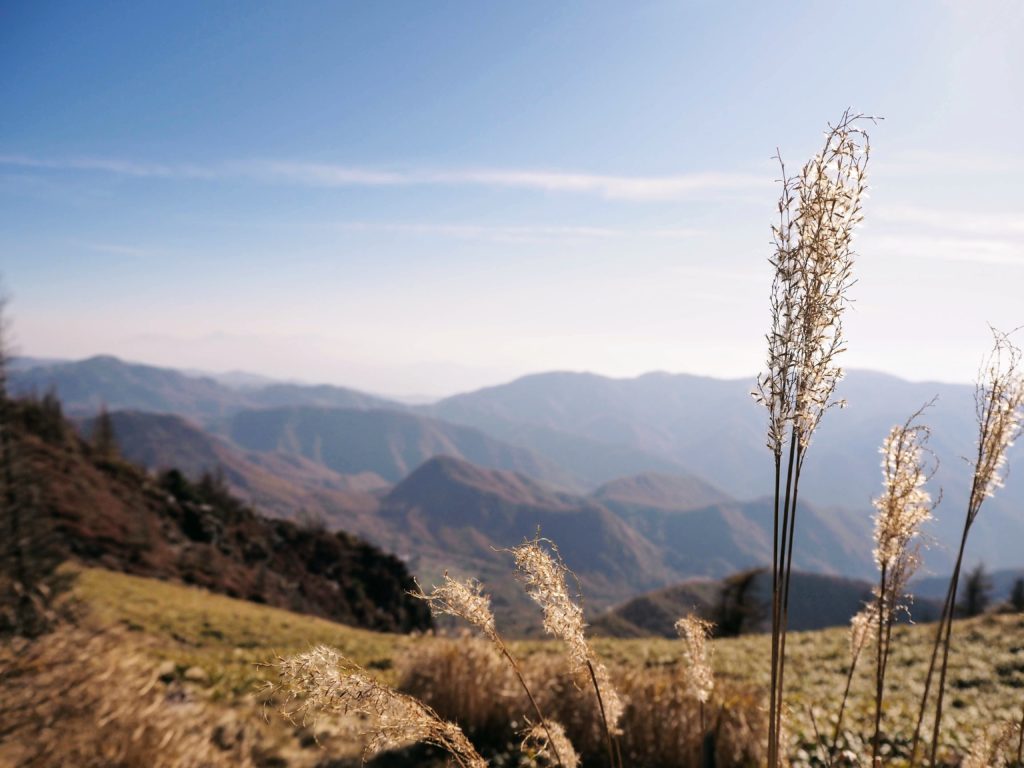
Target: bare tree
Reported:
[(30, 557)]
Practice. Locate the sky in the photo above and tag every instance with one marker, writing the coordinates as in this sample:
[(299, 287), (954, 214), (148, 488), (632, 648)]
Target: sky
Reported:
[(418, 198)]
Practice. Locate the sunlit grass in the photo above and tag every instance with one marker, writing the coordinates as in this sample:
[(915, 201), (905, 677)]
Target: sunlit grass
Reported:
[(230, 639)]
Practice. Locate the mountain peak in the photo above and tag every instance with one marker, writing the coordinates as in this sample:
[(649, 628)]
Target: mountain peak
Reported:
[(661, 491), (444, 475)]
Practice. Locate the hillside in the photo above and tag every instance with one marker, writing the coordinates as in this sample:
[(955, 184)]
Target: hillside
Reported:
[(452, 515), (642, 532), (652, 490), (818, 602), (385, 442), (280, 485), (935, 587), (721, 538), (107, 512)]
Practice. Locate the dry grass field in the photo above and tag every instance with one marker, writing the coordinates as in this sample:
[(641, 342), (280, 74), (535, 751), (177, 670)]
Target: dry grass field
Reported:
[(218, 649)]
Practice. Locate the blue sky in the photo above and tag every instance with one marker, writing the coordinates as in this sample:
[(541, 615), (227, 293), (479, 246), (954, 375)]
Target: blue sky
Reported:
[(420, 198)]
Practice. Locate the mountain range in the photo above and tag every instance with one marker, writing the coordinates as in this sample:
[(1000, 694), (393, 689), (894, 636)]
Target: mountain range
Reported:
[(679, 460), (630, 535)]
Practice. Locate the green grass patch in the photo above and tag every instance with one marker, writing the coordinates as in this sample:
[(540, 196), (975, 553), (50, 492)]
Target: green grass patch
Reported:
[(226, 638)]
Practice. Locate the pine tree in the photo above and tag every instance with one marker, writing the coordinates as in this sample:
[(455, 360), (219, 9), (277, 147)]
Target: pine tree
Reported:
[(104, 441), (977, 592), (1017, 595)]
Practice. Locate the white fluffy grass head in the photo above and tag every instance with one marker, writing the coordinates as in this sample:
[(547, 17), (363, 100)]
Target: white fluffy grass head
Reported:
[(700, 678), (999, 407), (464, 600), (545, 575), (322, 680)]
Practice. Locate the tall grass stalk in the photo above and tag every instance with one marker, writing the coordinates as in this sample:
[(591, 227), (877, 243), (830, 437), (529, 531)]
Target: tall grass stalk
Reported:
[(818, 210), (541, 568), (465, 600), (862, 629), (999, 407), (903, 507), (699, 676)]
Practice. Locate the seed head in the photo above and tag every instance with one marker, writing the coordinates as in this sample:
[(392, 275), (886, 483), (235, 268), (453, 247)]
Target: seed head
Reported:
[(545, 578), (999, 405), (547, 745), (863, 628), (323, 680), (695, 631), (545, 575), (462, 599), (813, 263), (904, 505)]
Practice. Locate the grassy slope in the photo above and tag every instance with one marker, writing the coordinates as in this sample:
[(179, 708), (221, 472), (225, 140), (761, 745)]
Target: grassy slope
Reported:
[(985, 682), (228, 639)]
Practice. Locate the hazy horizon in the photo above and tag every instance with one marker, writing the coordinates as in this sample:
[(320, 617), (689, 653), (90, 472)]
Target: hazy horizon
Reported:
[(415, 200), (413, 396)]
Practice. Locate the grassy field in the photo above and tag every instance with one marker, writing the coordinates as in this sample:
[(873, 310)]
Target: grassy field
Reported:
[(229, 639)]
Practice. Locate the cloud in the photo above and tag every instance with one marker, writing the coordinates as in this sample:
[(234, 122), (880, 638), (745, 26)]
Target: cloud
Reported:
[(612, 187), (519, 234), (113, 166), (671, 187), (118, 249), (979, 237), (986, 224), (921, 162), (955, 249)]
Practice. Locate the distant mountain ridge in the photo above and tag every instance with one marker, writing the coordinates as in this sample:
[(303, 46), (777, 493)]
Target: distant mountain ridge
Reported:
[(451, 515), (818, 601), (582, 431), (85, 386), (713, 429), (388, 443)]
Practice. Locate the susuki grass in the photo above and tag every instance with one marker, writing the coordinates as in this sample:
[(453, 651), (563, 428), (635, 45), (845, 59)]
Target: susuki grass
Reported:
[(819, 209)]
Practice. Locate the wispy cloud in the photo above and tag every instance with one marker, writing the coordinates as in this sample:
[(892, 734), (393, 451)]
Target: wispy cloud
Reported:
[(962, 249), (979, 237), (988, 224), (114, 167), (671, 187), (920, 162), (519, 234), (118, 249)]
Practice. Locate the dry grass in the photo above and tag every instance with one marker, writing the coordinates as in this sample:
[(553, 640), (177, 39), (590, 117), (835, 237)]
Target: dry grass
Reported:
[(84, 697), (466, 681)]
